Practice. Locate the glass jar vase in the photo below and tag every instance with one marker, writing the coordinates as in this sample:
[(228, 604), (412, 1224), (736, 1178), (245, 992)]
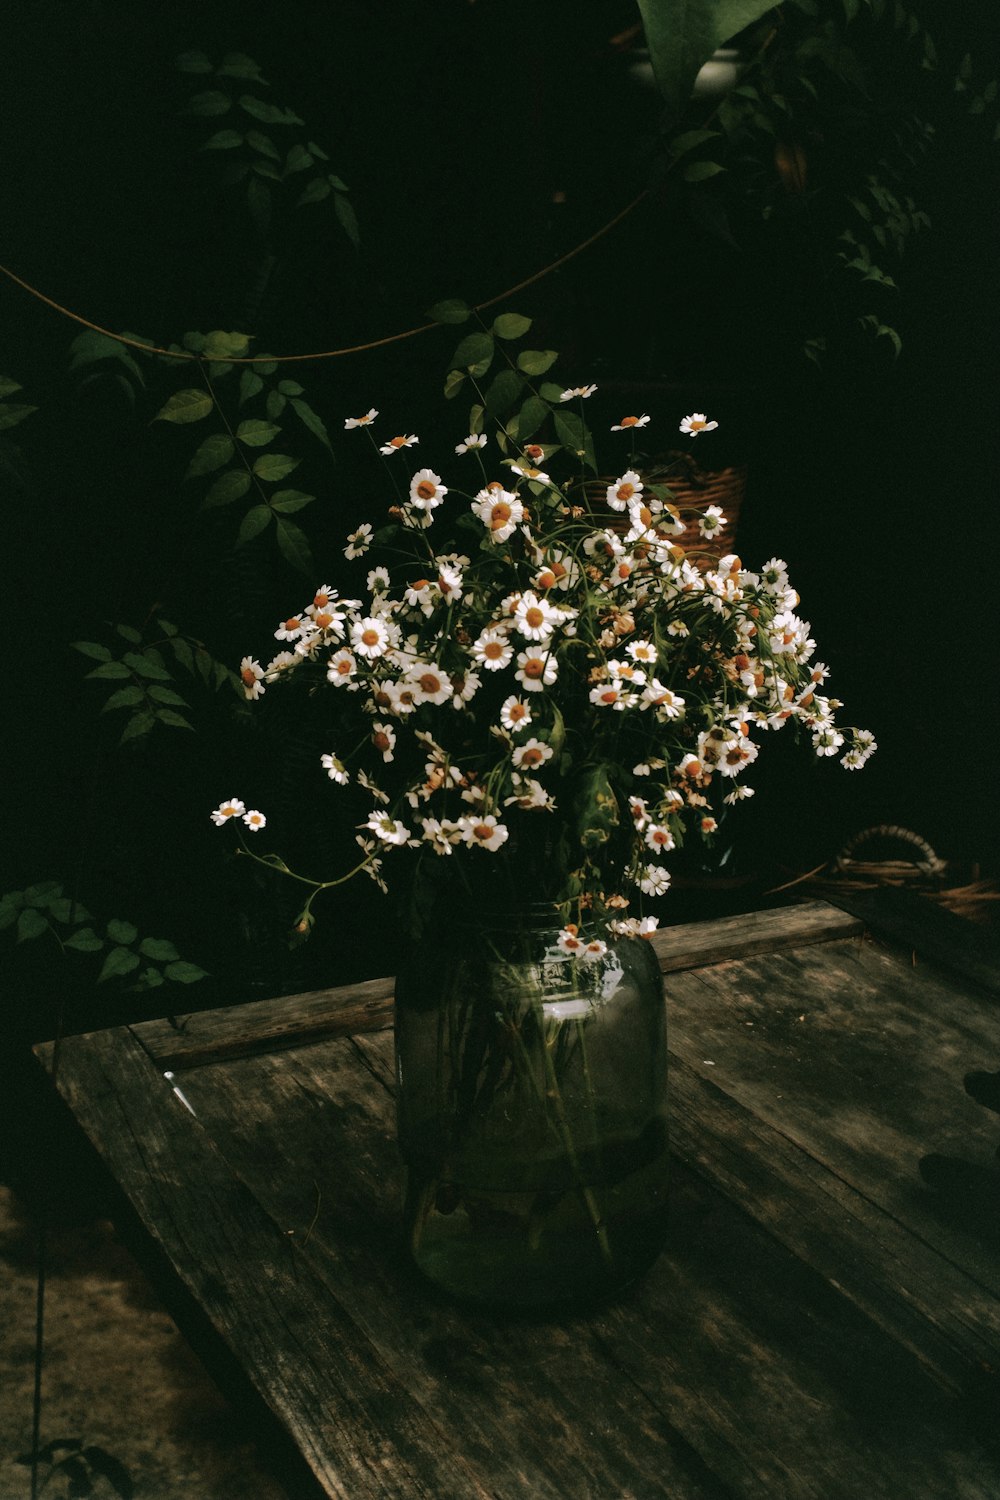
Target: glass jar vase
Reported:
[(531, 1071)]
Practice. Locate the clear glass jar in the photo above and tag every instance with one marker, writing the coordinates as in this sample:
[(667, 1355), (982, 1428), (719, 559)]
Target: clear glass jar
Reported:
[(532, 1112)]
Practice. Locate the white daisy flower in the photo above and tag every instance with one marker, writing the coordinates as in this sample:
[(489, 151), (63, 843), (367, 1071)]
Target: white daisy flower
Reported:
[(827, 741), (449, 581), (569, 940), (659, 838), (669, 705), (377, 581), (484, 831), (527, 471), (535, 618), (738, 794), (532, 754), (370, 637), (623, 491), (711, 521), (515, 713), (530, 795), (696, 423), (335, 769), (387, 828), (536, 670), (593, 950), (426, 490), (358, 542), (492, 650), (254, 820), (232, 808), (643, 651), (583, 391), (369, 416), (708, 824), (653, 880), (394, 444), (251, 675), (281, 663), (384, 740), (342, 667), (611, 695), (627, 423), (499, 510), (290, 629), (441, 835), (428, 683), (474, 440)]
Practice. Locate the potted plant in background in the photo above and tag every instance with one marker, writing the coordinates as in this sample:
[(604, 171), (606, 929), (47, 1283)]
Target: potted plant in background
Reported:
[(533, 697)]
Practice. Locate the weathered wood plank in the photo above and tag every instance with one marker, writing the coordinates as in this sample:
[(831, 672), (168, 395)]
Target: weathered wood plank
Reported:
[(922, 927), (698, 943), (358, 1427), (291, 1020), (734, 1365)]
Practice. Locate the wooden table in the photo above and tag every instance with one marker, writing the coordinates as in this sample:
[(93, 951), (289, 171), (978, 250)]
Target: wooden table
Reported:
[(819, 1326)]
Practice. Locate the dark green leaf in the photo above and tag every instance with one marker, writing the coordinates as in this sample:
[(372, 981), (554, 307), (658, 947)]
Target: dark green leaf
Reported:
[(452, 310), (120, 931), (688, 140), (290, 388), (109, 670), (146, 665), (314, 192), (192, 62), (140, 724), (511, 326), (257, 434), (149, 978), (238, 65), (682, 38), (174, 719), (183, 653), (254, 522), (12, 413), (347, 218), (275, 405), (502, 392), (210, 455), (298, 159), (317, 151), (126, 697), (129, 633), (65, 909), (84, 941), (184, 973), (220, 344), (120, 961), (166, 627), (293, 546), (164, 695), (228, 487), (31, 924), (310, 419), (259, 109), (159, 949), (453, 383), (537, 361), (474, 353), (43, 892), (700, 171), (8, 386), (250, 385), (185, 406), (476, 414), (92, 649), (212, 102), (531, 416), (223, 140), (263, 143), (287, 501)]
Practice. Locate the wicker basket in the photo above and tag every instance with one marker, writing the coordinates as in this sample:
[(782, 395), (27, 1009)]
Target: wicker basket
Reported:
[(693, 489)]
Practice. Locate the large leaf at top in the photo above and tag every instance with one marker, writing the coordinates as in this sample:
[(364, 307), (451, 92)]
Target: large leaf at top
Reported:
[(683, 34)]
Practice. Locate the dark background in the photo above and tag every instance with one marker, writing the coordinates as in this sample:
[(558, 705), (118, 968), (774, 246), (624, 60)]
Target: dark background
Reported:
[(480, 142)]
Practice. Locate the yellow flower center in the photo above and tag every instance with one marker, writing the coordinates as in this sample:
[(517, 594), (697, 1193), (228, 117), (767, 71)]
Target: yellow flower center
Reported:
[(499, 515), (323, 620), (430, 683), (625, 492), (370, 637), (381, 740), (534, 617), (483, 831), (534, 667), (493, 650), (426, 490), (629, 421)]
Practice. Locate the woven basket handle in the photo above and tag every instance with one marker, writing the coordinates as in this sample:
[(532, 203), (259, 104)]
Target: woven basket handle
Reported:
[(927, 864)]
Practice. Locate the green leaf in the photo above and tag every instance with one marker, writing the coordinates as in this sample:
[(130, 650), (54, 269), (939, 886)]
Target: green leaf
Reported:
[(275, 405), (452, 310), (263, 144), (185, 406), (572, 432), (8, 386), (312, 421), (210, 455), (145, 665), (290, 388), (287, 501), (453, 383), (298, 159), (166, 627), (140, 724), (294, 546), (126, 697), (158, 949), (120, 931), (212, 102), (220, 344), (31, 924), (149, 978), (184, 973), (65, 909), (347, 218), (272, 466), (84, 941), (11, 413), (165, 695), (238, 65), (193, 62), (531, 416), (259, 109), (474, 353), (92, 649), (502, 391), (227, 488), (223, 140), (681, 38), (43, 892), (177, 721), (109, 670), (256, 519), (536, 362), (257, 434), (119, 962), (314, 192), (250, 385), (511, 326), (700, 171), (688, 140), (129, 633)]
